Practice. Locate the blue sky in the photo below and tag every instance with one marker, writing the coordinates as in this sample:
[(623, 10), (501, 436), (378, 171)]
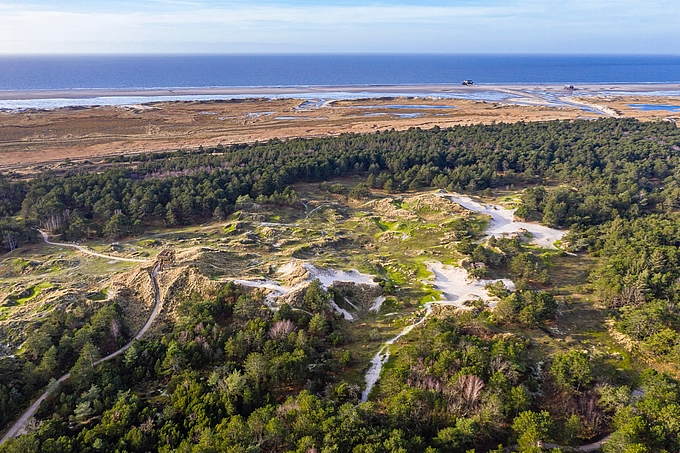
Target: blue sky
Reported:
[(340, 26)]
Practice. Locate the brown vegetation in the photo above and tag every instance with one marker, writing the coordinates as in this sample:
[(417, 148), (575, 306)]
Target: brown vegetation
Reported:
[(50, 136)]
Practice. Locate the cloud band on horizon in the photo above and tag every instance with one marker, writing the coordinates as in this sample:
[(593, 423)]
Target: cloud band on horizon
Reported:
[(495, 26)]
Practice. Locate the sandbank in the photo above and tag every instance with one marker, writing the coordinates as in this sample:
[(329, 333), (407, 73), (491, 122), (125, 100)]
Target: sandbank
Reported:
[(441, 89)]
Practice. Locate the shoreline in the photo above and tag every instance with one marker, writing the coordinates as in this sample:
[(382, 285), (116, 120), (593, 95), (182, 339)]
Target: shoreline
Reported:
[(44, 131), (262, 91)]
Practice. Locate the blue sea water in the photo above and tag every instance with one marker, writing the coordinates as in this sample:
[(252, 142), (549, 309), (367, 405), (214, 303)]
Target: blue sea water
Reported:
[(147, 72)]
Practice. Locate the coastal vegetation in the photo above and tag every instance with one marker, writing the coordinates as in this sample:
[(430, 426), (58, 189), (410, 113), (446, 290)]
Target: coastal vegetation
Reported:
[(246, 357)]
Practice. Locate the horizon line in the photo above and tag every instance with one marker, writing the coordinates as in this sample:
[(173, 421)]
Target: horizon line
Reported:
[(358, 54)]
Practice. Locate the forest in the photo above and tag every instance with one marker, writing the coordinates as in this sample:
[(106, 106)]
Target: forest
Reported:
[(607, 168), (231, 376)]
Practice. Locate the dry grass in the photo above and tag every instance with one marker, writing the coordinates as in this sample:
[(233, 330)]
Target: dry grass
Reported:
[(50, 136)]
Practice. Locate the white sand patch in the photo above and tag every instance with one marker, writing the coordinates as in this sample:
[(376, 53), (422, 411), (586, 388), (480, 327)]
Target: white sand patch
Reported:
[(377, 303), (351, 304), (455, 283), (345, 314), (287, 268), (272, 285), (503, 222), (457, 286), (276, 290), (373, 373), (329, 276)]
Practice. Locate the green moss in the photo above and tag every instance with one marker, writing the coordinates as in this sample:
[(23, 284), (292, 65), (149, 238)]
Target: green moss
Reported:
[(29, 294), (99, 295), (383, 226), (230, 228)]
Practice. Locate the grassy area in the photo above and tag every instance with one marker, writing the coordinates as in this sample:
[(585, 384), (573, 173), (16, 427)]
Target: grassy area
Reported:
[(392, 237), (98, 295), (30, 293)]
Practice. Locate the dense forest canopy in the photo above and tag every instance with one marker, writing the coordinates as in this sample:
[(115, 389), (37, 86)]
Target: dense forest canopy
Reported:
[(610, 168), (231, 376)]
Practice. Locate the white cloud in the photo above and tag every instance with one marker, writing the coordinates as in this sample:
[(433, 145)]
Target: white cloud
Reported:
[(184, 25)]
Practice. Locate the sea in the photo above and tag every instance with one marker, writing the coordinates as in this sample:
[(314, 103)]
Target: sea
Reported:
[(41, 73)]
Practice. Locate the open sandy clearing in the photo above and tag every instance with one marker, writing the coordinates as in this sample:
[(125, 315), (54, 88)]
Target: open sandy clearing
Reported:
[(503, 222)]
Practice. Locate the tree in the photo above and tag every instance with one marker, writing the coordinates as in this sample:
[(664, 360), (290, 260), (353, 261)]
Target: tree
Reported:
[(454, 438), (318, 326), (316, 298), (22, 444), (257, 368), (219, 214), (117, 226), (370, 181), (532, 429), (82, 373), (49, 363), (175, 360), (529, 308), (360, 192), (10, 241), (90, 354), (572, 370), (527, 266), (83, 412)]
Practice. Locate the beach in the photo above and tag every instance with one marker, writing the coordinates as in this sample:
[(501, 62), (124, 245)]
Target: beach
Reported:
[(278, 91)]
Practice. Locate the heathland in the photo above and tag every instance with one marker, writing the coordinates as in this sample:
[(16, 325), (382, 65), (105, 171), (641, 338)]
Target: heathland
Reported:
[(428, 290), (33, 136)]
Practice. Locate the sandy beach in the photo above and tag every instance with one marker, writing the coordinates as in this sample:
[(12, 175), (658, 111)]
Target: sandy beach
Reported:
[(588, 89)]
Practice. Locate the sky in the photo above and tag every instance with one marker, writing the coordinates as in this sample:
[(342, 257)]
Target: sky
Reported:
[(340, 26)]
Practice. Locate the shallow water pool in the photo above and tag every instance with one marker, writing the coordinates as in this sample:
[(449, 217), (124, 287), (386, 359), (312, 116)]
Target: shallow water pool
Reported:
[(652, 107)]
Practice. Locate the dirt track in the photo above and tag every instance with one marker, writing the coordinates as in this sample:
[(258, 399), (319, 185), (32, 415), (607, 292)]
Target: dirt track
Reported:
[(19, 425)]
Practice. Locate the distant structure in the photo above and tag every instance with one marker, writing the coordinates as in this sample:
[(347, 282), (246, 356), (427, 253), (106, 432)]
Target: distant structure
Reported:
[(165, 259), (468, 83), (569, 87)]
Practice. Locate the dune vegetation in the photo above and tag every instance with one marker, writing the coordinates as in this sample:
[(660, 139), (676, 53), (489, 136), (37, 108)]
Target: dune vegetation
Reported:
[(489, 287)]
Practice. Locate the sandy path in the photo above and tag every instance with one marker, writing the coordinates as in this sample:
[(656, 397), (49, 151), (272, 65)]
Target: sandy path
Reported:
[(594, 446), (18, 427), (455, 283), (596, 107), (381, 358), (88, 252)]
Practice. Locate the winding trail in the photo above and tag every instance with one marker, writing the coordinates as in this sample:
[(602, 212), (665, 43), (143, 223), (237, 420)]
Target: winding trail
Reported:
[(88, 252), (18, 426), (383, 355), (323, 205), (454, 282), (588, 448), (502, 222)]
